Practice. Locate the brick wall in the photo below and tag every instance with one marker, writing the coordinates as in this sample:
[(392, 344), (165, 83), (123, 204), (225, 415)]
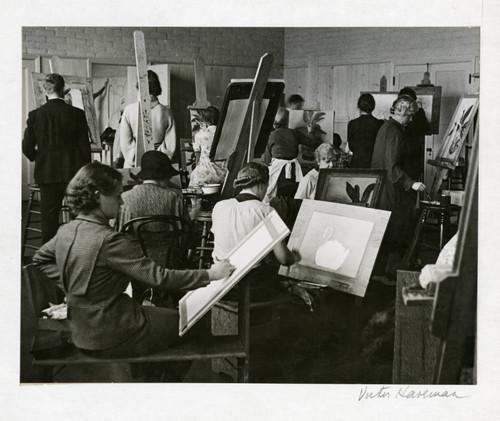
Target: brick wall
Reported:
[(366, 45), (218, 46)]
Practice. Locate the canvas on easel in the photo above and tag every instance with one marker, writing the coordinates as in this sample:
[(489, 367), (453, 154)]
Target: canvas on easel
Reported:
[(80, 96), (246, 120), (338, 244), (456, 134), (235, 102)]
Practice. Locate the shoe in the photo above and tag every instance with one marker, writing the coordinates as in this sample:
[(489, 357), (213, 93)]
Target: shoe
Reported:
[(384, 279)]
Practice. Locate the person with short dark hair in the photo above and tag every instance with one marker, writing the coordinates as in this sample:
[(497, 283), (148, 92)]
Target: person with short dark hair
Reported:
[(341, 159), (362, 131), (295, 102), (233, 219), (162, 123), (95, 264), (56, 138)]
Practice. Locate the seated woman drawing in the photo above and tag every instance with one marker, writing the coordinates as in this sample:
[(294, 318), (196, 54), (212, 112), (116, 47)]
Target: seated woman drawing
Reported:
[(281, 153), (155, 196), (324, 155), (95, 265), (234, 218)]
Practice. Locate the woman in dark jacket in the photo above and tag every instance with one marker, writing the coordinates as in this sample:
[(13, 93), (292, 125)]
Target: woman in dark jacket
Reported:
[(95, 265), (362, 131)]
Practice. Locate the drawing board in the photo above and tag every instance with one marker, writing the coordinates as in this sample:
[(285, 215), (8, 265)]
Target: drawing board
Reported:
[(361, 187), (338, 244), (251, 250), (80, 96)]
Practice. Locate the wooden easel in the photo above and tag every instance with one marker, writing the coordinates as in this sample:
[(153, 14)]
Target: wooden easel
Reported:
[(248, 134), (144, 141), (200, 85), (455, 302)]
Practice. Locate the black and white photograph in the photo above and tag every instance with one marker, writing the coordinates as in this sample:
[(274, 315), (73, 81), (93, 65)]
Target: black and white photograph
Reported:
[(251, 211)]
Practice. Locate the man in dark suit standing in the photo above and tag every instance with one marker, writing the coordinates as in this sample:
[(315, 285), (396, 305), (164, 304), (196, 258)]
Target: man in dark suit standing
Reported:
[(56, 138)]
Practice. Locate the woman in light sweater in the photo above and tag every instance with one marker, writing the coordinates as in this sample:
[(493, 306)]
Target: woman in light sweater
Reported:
[(162, 122)]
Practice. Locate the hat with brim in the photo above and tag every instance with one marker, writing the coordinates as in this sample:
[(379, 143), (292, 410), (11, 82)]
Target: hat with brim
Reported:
[(155, 165)]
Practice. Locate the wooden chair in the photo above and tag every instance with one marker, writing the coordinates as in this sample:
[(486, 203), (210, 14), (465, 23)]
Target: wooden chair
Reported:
[(206, 347), (163, 238)]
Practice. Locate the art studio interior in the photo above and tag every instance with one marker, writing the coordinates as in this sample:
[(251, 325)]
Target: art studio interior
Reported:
[(256, 205)]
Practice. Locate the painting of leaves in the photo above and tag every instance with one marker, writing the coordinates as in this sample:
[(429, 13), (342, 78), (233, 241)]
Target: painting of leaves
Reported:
[(353, 193), (360, 187), (323, 119)]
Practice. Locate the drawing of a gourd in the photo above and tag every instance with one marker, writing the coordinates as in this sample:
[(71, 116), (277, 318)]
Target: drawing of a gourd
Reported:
[(331, 254)]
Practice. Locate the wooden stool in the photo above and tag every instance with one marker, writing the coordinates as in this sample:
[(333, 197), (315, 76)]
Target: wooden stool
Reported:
[(33, 209), (205, 249), (442, 213), (264, 325)]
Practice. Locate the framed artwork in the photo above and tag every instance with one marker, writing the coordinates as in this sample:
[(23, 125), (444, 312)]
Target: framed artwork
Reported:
[(429, 99), (80, 96), (325, 119), (252, 249), (458, 129), (338, 244), (360, 187)]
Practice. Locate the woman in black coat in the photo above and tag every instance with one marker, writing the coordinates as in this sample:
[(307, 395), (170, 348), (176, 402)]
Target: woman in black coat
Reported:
[(362, 132)]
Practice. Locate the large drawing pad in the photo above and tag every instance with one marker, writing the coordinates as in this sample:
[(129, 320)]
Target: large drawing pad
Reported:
[(338, 244), (253, 248)]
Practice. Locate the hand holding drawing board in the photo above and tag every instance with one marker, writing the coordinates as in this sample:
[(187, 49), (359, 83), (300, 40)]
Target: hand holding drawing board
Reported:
[(338, 244), (253, 248)]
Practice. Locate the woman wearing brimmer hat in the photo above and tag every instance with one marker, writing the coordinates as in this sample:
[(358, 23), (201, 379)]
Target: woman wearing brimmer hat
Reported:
[(154, 196)]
